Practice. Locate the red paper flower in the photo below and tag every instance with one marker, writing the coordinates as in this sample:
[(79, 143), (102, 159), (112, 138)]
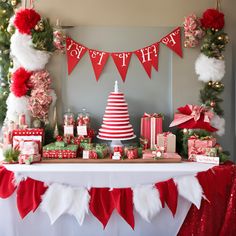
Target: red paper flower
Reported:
[(19, 82), (25, 20), (212, 18)]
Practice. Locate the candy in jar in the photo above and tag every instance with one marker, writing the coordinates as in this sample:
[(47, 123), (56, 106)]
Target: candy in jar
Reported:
[(83, 118)]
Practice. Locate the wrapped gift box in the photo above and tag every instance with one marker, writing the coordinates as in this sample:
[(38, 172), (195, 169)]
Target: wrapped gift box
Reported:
[(30, 147), (199, 146), (131, 152), (90, 154), (102, 150), (148, 154), (29, 159), (171, 155), (151, 125), (28, 134), (167, 141), (53, 151)]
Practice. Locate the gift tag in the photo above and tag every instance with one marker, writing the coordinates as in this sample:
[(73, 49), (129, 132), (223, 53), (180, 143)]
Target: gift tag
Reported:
[(85, 154), (82, 130), (207, 159), (116, 156), (68, 130)]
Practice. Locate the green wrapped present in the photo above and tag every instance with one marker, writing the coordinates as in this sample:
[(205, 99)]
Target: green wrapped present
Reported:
[(60, 144), (87, 146), (53, 146), (101, 150)]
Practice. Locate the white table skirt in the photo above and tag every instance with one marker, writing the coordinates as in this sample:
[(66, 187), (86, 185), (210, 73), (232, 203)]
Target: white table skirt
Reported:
[(96, 175)]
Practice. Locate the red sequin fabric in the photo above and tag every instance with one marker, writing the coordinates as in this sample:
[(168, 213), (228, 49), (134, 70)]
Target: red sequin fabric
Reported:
[(217, 215)]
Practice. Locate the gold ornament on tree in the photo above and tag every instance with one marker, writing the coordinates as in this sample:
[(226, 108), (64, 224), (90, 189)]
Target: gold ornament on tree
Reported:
[(13, 3)]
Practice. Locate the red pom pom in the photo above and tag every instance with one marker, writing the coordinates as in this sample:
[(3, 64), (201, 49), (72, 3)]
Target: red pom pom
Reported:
[(212, 18), (19, 82), (25, 20)]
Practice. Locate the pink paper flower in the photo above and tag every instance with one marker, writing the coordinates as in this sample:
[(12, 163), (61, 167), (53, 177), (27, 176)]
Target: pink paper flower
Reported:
[(193, 32)]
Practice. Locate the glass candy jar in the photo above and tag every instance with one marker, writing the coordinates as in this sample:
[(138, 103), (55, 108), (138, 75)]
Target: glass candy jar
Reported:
[(83, 118), (69, 118)]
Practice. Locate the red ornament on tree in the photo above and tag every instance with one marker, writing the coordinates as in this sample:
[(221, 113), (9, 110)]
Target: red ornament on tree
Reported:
[(212, 18), (19, 82), (26, 20)]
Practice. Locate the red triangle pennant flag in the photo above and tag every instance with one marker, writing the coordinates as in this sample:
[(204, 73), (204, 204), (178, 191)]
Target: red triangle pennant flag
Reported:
[(74, 52), (122, 60), (173, 41), (98, 60), (29, 194), (155, 55), (7, 186), (101, 205), (169, 194), (148, 57), (123, 201)]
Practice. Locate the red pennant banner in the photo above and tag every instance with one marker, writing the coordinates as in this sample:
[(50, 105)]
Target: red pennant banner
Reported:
[(7, 186), (148, 57), (122, 59), (98, 59), (104, 200), (169, 194), (74, 52), (29, 194), (173, 41)]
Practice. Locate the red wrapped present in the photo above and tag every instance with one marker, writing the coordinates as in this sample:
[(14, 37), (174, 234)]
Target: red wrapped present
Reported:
[(151, 125), (28, 134), (131, 152), (171, 155), (59, 154), (149, 154), (193, 117), (118, 149), (199, 146)]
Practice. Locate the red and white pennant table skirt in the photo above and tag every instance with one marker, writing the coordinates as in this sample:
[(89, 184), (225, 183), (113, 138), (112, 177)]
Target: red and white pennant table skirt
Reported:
[(60, 215)]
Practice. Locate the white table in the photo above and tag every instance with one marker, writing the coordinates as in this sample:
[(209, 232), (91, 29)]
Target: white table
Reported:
[(96, 175)]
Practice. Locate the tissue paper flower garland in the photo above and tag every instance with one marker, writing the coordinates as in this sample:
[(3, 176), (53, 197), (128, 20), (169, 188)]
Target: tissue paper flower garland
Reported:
[(31, 45), (40, 99), (210, 65), (19, 82), (193, 32)]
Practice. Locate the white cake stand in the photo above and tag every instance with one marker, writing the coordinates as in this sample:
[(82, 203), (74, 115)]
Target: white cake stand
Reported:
[(116, 141)]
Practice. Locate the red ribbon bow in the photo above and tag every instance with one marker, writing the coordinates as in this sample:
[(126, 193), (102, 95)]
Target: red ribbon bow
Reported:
[(155, 115), (193, 117)]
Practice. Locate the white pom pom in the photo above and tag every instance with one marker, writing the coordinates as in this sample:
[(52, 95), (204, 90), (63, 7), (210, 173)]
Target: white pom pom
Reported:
[(17, 106), (209, 68), (146, 201), (218, 123), (30, 58)]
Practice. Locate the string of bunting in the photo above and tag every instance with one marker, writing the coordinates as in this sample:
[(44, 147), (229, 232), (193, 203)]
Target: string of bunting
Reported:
[(58, 199), (148, 56)]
